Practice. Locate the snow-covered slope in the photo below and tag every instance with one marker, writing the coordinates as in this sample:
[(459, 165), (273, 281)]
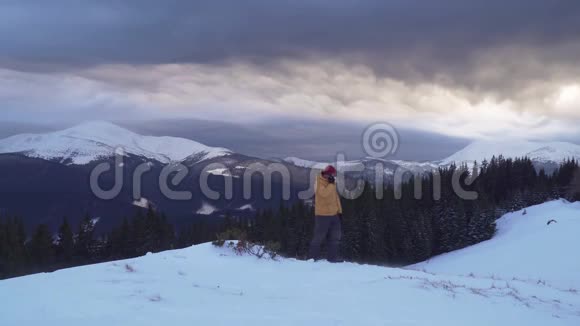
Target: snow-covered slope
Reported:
[(90, 141), (525, 247), (543, 152), (415, 166), (203, 285)]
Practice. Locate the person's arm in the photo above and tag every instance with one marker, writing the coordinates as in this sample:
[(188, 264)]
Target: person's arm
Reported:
[(339, 204)]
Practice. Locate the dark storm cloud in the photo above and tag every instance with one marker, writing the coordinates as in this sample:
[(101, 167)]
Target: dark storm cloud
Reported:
[(410, 39)]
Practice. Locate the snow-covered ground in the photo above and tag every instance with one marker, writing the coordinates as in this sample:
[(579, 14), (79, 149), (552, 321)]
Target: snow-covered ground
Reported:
[(525, 247), (203, 285), (143, 202), (206, 209), (246, 207)]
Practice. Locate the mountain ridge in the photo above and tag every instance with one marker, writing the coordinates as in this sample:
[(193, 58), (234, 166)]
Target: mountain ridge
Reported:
[(93, 140), (541, 152)]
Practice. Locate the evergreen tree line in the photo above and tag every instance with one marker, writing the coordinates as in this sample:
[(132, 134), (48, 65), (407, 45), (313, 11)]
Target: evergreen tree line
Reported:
[(408, 230), (388, 230), (43, 250)]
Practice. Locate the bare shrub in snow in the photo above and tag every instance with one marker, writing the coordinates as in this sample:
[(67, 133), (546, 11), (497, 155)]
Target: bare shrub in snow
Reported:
[(129, 268), (155, 298), (237, 240)]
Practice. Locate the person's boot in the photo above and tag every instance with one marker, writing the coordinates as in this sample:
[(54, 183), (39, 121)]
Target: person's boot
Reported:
[(314, 253), (333, 256), (336, 260)]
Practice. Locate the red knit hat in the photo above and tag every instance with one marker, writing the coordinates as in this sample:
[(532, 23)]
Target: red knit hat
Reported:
[(330, 170)]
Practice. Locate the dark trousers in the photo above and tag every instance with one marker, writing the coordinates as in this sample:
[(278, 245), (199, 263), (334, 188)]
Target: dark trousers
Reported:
[(326, 226)]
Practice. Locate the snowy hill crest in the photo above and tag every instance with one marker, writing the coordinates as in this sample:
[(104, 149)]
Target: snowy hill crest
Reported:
[(511, 275)]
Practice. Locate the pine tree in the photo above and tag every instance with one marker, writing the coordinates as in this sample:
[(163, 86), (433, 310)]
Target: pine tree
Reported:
[(65, 242), (16, 254), (167, 234), (84, 239), (152, 232), (139, 234), (3, 249), (41, 247), (574, 188)]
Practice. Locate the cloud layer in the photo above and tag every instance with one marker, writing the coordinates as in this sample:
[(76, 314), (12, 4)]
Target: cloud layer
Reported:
[(454, 67), (314, 90)]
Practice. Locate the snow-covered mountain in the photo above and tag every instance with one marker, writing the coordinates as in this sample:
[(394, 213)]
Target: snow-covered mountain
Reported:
[(28, 170), (544, 154), (95, 140), (539, 152), (209, 286), (368, 166)]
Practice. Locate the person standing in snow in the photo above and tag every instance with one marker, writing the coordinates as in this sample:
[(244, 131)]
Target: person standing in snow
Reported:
[(328, 215)]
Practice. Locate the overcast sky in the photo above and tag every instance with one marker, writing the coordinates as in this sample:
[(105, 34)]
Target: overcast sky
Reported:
[(464, 69)]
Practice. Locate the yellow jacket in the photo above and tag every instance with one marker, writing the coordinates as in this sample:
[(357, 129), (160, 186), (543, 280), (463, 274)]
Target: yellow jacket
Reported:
[(326, 200)]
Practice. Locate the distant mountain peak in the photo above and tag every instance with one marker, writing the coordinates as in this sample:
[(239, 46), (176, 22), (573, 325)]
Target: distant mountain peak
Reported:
[(543, 152), (93, 140), (97, 127)]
